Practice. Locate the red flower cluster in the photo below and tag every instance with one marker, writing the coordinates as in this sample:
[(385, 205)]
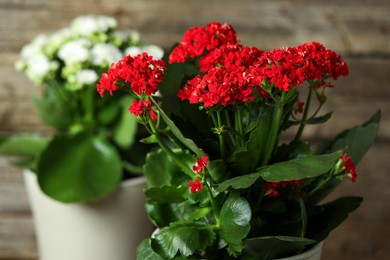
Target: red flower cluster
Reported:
[(290, 67), (200, 164), (141, 72), (138, 107), (228, 79), (349, 167), (195, 186), (231, 71), (272, 187), (197, 40)]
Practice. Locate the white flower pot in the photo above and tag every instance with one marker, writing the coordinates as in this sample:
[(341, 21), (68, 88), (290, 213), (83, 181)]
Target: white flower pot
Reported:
[(107, 229), (312, 254)]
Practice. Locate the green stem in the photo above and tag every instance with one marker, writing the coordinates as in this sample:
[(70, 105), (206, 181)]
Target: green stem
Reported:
[(316, 112), (229, 124), (319, 186), (305, 114), (239, 121), (238, 126), (335, 172), (303, 216), (215, 209), (220, 136), (88, 103), (276, 120), (169, 151)]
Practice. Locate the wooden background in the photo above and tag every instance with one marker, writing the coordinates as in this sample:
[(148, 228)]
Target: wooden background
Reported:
[(358, 29)]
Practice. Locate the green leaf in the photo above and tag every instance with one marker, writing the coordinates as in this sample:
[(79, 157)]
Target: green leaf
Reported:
[(303, 215), (247, 160), (240, 182), (152, 139), (146, 252), (330, 215), (185, 238), (23, 145), (177, 133), (235, 220), (174, 78), (296, 169), (322, 192), (53, 113), (79, 168), (217, 170), (162, 214), (124, 132), (166, 194), (200, 213), (272, 247), (299, 168), (159, 168), (56, 108), (355, 141), (293, 150), (107, 111)]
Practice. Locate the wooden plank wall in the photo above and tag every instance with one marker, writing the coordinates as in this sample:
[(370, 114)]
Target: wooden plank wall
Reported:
[(356, 28)]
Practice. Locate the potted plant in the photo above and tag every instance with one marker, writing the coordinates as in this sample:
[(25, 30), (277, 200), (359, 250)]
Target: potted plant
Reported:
[(227, 182), (91, 160)]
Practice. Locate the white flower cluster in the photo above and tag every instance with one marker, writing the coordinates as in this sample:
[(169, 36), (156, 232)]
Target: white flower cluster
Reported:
[(77, 55)]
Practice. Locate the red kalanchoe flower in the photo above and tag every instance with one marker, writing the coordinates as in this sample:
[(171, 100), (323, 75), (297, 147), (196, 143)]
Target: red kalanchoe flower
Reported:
[(227, 79), (142, 73), (291, 183), (349, 167), (200, 164), (152, 114), (286, 68), (320, 61), (107, 83), (272, 187), (138, 107), (195, 186), (199, 40)]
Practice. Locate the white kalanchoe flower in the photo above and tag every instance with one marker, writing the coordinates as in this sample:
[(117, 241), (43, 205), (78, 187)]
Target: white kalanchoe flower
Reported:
[(75, 51), (153, 50), (58, 39), (34, 48), (86, 77), (103, 54), (38, 67), (74, 56), (133, 51), (87, 25), (131, 37)]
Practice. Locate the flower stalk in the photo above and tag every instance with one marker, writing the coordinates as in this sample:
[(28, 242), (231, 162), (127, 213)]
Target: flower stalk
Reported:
[(274, 131), (305, 114), (220, 135), (155, 132)]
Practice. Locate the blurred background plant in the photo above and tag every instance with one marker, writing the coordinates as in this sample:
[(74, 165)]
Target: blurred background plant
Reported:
[(92, 146)]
